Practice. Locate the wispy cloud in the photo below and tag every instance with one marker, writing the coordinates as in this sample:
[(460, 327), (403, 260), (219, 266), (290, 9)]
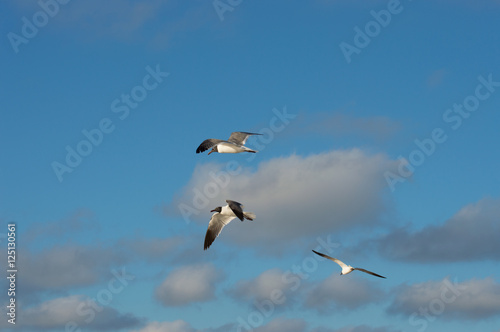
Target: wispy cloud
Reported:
[(154, 21), (150, 249), (436, 77), (115, 18), (78, 221), (338, 124)]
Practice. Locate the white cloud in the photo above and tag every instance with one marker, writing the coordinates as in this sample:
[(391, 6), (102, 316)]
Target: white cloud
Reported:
[(175, 326), (471, 234), (188, 284), (300, 325), (294, 197), (473, 299), (358, 328), (181, 326), (269, 285), (342, 292), (283, 324)]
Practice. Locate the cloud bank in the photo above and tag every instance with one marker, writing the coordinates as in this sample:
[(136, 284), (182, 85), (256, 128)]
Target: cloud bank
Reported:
[(473, 299), (471, 234), (73, 312), (293, 197)]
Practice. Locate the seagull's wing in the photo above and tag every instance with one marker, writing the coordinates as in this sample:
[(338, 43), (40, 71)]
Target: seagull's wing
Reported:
[(240, 137), (369, 272), (208, 144), (237, 209), (332, 259), (215, 226)]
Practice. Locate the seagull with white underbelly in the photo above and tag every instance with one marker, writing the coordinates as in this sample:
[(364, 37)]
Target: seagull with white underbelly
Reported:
[(224, 215), (234, 144), (347, 268)]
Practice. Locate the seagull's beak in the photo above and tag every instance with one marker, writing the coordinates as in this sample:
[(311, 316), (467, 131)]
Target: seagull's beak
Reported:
[(210, 152), (213, 211)]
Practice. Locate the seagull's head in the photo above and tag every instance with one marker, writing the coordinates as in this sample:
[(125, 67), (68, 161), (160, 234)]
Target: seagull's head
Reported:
[(217, 209), (214, 149)]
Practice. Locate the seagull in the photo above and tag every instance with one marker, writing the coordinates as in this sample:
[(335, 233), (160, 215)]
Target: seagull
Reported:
[(223, 216), (347, 268), (234, 144)]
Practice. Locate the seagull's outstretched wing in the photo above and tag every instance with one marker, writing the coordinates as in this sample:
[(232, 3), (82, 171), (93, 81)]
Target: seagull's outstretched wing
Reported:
[(208, 144), (369, 272), (237, 209), (215, 226), (332, 259), (240, 137)]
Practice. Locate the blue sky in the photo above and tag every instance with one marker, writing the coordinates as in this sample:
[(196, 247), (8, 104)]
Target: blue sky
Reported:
[(384, 156)]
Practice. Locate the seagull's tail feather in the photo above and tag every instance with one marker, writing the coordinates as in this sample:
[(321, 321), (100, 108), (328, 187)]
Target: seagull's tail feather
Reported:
[(249, 215), (246, 149)]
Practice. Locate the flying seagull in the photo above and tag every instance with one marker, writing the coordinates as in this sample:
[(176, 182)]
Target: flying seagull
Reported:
[(224, 215), (347, 268), (234, 144)]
